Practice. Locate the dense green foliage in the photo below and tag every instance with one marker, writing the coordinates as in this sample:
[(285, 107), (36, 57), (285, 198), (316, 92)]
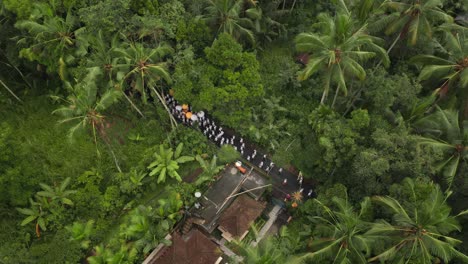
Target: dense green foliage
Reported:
[(92, 165)]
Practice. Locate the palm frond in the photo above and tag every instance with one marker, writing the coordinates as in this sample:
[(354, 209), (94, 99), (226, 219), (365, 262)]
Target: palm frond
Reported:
[(395, 206), (312, 66)]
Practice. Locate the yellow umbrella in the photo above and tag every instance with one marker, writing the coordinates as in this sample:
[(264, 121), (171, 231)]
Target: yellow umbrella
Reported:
[(188, 115)]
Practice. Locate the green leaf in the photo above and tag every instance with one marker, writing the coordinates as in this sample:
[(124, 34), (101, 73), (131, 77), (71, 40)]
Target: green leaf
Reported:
[(165, 224), (451, 169), (67, 201), (26, 211), (157, 170), (110, 97), (154, 163), (312, 66), (42, 224), (395, 206), (464, 78), (64, 184), (46, 194), (431, 70), (162, 176), (178, 150), (184, 159), (28, 220), (429, 59), (46, 187)]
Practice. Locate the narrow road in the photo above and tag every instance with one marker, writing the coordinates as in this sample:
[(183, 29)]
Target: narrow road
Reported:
[(284, 182)]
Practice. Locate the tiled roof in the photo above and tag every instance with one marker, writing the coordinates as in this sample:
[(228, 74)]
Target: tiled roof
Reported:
[(240, 215), (195, 248)]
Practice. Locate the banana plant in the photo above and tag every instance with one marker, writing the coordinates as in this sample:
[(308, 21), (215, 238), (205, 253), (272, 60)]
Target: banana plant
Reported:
[(145, 228), (167, 163), (81, 232), (106, 255), (210, 168), (58, 193), (169, 207), (37, 212)]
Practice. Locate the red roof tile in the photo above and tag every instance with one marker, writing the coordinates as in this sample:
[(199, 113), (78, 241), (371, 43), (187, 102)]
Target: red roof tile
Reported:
[(195, 248), (240, 215)]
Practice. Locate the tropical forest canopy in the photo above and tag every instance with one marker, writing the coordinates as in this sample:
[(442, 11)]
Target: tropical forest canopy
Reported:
[(367, 98)]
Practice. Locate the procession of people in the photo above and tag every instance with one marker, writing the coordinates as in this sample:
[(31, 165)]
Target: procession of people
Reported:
[(215, 132)]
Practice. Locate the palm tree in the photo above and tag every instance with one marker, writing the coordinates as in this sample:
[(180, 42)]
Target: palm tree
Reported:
[(167, 163), (56, 41), (412, 18), (103, 55), (86, 105), (226, 16), (265, 20), (362, 9), (453, 68), (443, 132), (268, 128), (344, 239), (57, 194), (270, 250), (104, 58), (419, 229), (210, 168), (337, 50), (143, 68)]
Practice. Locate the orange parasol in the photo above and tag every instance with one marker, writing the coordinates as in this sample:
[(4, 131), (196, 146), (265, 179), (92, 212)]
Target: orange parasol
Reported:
[(188, 115)]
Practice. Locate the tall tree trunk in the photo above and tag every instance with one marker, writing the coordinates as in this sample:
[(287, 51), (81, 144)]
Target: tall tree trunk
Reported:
[(16, 68), (113, 156), (390, 48), (292, 7), (336, 95), (163, 102), (10, 91), (133, 105), (324, 96), (394, 43)]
